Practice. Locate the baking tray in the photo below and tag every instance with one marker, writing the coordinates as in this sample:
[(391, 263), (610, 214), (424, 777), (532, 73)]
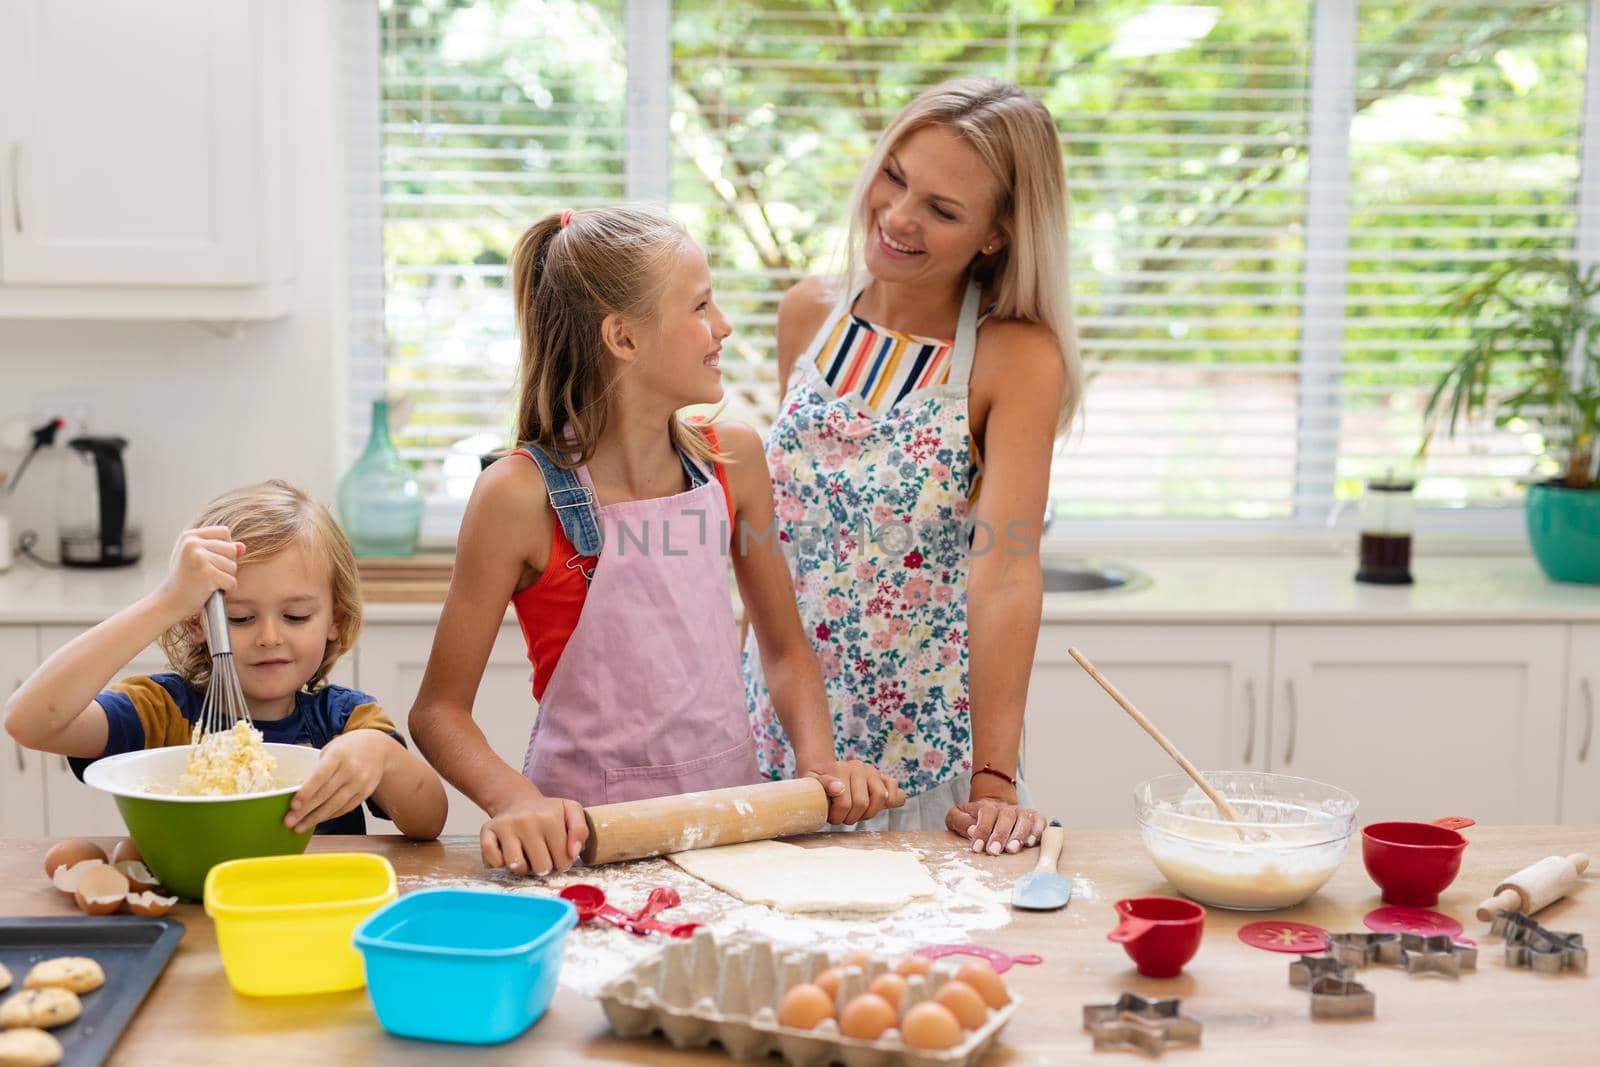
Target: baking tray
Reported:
[(133, 952)]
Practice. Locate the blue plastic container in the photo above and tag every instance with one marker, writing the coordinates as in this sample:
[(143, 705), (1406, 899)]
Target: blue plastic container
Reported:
[(464, 965)]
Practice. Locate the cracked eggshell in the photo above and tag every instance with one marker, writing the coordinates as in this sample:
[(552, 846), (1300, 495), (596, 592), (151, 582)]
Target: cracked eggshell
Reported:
[(101, 889), (149, 905), (125, 849), (69, 852), (140, 880), (66, 878)]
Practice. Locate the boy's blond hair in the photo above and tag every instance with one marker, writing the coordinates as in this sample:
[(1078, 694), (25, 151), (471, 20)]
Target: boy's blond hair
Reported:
[(269, 518), (565, 280)]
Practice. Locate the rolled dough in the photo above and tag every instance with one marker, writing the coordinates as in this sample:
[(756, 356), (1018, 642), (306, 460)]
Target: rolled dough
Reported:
[(796, 879)]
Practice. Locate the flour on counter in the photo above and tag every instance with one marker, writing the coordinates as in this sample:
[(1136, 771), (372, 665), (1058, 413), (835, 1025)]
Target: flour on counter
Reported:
[(598, 952)]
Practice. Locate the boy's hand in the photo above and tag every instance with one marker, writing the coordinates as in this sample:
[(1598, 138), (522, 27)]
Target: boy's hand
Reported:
[(535, 834), (349, 771), (203, 561), (856, 792), (993, 820)]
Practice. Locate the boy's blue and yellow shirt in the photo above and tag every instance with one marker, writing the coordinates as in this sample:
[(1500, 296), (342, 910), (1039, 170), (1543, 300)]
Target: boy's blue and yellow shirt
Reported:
[(158, 710)]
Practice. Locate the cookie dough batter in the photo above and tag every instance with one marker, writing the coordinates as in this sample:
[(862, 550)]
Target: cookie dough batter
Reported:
[(40, 1007), (77, 973), (28, 1047)]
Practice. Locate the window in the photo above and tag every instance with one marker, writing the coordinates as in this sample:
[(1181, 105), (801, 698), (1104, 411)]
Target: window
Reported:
[(1270, 198)]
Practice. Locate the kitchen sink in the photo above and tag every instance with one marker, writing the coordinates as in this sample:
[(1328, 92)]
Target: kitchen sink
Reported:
[(1091, 576)]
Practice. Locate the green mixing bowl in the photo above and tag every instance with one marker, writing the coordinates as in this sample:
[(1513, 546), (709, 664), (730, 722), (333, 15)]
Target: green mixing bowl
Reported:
[(182, 838)]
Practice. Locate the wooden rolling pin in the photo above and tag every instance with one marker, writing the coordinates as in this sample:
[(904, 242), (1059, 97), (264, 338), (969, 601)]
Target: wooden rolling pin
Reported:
[(663, 825), (1534, 887)]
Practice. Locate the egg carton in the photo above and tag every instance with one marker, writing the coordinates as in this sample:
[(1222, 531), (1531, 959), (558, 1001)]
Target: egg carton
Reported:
[(699, 991)]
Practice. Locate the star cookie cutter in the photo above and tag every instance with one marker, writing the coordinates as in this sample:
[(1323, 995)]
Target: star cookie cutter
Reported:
[(1341, 998), (1148, 1026), (1439, 954), (1306, 970), (1359, 950), (1530, 945)]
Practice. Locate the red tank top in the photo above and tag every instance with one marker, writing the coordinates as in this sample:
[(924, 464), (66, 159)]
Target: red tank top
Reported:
[(548, 609)]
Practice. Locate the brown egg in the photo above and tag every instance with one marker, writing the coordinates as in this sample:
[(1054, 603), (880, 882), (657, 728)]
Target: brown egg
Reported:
[(101, 889), (913, 965), (890, 987), (150, 905), (964, 1003), (981, 977), (866, 1016), (804, 1007), (140, 880), (930, 1025), (66, 878), (856, 959), (66, 853), (828, 982), (125, 850)]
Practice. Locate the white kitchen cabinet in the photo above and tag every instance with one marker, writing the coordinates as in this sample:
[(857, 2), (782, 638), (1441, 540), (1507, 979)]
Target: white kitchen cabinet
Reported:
[(1205, 686), (21, 769), (1580, 756), (75, 810), (1420, 721), (391, 663), (143, 171)]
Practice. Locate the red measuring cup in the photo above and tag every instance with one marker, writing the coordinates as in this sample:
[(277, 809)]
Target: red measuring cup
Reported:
[(1413, 862), (590, 900), (1161, 934)]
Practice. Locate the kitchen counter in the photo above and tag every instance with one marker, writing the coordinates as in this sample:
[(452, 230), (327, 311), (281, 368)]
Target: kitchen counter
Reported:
[(1282, 589), (1241, 995)]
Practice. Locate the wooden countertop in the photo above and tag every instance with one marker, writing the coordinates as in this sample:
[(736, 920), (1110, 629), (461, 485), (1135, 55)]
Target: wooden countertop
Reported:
[(1240, 994)]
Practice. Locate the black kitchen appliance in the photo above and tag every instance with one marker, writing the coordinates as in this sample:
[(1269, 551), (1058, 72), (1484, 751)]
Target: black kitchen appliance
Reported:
[(94, 527)]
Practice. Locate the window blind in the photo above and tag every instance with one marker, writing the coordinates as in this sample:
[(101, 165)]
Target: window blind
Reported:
[(1270, 200)]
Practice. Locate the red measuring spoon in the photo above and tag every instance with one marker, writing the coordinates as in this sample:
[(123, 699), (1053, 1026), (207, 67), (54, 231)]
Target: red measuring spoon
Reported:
[(590, 900)]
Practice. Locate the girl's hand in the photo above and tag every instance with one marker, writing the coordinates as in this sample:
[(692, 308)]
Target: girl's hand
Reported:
[(349, 771), (856, 792), (993, 820), (203, 561), (534, 835)]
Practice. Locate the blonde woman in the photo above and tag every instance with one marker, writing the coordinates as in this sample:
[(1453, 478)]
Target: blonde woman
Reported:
[(911, 456), (293, 598)]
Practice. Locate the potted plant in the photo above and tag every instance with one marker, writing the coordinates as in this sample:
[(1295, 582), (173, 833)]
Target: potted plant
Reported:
[(1541, 313)]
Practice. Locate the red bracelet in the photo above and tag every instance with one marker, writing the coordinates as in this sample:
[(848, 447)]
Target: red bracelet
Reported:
[(986, 769)]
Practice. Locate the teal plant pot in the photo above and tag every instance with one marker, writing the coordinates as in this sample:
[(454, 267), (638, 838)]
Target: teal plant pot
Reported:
[(1564, 530), (182, 838)]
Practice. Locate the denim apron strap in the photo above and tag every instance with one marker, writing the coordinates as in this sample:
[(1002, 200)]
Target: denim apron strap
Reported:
[(572, 502)]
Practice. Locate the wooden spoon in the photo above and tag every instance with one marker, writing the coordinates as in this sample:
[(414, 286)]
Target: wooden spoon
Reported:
[(1161, 739)]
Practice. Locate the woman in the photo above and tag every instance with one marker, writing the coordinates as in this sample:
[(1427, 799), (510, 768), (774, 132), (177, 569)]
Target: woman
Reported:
[(911, 456)]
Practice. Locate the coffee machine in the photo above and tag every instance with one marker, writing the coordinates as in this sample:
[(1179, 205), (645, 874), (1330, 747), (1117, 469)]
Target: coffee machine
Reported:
[(94, 526)]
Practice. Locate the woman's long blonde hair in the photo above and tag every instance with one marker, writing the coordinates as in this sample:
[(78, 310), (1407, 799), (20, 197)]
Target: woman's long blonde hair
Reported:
[(270, 518), (1014, 135), (565, 281)]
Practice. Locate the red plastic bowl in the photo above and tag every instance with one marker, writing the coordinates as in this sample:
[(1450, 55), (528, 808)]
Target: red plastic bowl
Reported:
[(1413, 862), (1161, 934)]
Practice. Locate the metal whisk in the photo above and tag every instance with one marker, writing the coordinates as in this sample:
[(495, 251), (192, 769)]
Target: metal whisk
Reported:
[(224, 704)]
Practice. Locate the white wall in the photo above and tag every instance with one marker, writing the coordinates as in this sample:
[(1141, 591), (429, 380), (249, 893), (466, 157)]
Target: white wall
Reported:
[(204, 413)]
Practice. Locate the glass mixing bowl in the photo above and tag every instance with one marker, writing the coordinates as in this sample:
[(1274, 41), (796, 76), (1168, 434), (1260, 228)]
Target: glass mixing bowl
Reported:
[(1291, 838)]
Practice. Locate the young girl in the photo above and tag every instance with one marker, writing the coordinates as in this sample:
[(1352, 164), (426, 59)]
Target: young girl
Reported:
[(608, 532), (289, 581), (947, 354)]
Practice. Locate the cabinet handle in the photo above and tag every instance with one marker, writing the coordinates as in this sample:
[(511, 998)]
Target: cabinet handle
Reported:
[(16, 190), (64, 766), (1250, 729), (22, 764), (1588, 719), (1294, 722)]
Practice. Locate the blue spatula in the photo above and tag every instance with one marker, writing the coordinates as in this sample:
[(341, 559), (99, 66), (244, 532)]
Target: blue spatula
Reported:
[(1042, 889)]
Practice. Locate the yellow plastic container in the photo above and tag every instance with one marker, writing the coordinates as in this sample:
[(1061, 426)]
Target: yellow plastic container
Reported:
[(285, 923)]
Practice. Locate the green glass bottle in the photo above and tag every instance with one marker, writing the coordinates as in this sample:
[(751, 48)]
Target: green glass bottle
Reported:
[(380, 499)]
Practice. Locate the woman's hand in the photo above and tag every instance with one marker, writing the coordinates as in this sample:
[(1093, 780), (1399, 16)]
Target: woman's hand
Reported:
[(993, 820), (349, 771), (203, 561), (535, 834), (856, 792)]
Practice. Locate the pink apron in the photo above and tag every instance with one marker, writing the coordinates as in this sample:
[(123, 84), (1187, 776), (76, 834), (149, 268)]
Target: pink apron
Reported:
[(647, 698)]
